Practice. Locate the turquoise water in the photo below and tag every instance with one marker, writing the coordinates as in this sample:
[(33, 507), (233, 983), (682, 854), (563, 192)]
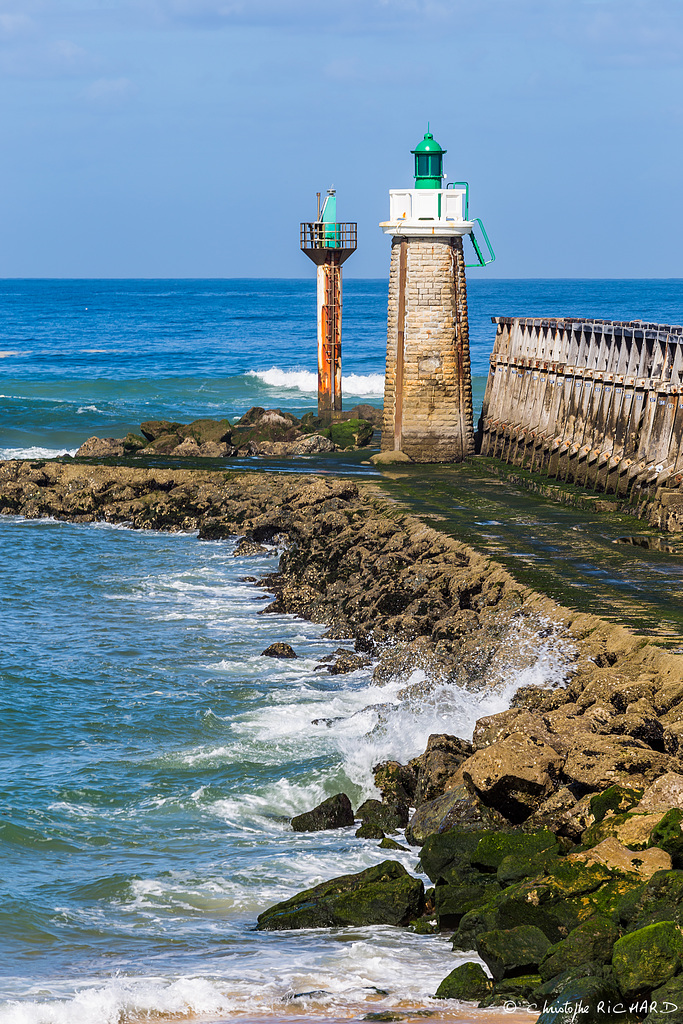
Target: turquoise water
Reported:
[(151, 756)]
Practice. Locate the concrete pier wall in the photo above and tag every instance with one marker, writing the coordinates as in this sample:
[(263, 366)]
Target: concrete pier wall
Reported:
[(595, 402), (428, 387)]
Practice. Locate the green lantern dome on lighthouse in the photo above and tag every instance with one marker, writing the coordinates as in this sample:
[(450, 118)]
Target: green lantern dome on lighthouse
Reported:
[(428, 162)]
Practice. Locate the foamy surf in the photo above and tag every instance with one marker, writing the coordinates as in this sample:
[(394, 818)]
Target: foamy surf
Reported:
[(354, 384), (34, 452)]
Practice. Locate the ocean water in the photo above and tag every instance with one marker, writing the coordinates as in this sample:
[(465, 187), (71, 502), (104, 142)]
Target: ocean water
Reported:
[(79, 358), (152, 757)]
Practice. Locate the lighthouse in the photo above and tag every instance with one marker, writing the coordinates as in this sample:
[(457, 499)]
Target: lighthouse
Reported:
[(428, 382), (329, 244)]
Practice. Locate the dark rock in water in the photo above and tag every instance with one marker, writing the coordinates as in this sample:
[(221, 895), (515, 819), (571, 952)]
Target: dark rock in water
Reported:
[(593, 993), (153, 429), (468, 982), (347, 661), (391, 844), (101, 448), (247, 548), (335, 812), (645, 959), (365, 412), (388, 816), (591, 942), (512, 951), (383, 894), (279, 650), (455, 809), (369, 830)]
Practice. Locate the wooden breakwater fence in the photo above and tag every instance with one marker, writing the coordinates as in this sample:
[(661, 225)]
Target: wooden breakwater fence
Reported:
[(597, 403)]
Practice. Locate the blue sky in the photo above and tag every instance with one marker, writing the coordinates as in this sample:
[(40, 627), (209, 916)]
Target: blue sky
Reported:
[(187, 138)]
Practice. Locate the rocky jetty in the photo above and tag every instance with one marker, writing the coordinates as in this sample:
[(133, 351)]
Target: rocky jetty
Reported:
[(553, 837), (267, 432)]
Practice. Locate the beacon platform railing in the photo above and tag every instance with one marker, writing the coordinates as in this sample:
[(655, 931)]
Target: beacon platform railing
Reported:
[(320, 235)]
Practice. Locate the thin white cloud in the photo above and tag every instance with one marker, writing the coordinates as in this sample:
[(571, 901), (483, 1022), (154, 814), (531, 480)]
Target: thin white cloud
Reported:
[(109, 91)]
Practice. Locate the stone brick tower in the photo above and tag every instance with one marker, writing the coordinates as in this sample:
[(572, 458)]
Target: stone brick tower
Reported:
[(428, 384)]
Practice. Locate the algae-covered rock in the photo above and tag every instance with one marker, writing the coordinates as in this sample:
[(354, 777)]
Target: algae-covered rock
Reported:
[(152, 429), (335, 812), (666, 1003), (388, 817), (591, 941), (396, 782), (279, 650), (447, 855), (452, 902), (457, 808), (667, 835), (351, 433), (383, 894), (369, 830), (391, 844), (588, 1000), (203, 431), (660, 899), (515, 992), (492, 849), (514, 867), (134, 442), (644, 959), (513, 951), (468, 982), (616, 799)]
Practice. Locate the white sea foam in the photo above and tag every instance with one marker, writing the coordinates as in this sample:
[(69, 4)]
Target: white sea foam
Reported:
[(34, 453), (371, 384)]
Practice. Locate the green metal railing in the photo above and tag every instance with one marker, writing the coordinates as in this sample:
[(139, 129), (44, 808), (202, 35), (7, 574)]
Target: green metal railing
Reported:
[(466, 186), (481, 259)]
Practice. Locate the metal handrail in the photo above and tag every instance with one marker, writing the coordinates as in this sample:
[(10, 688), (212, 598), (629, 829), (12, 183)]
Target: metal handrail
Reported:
[(466, 186), (481, 260), (321, 235)]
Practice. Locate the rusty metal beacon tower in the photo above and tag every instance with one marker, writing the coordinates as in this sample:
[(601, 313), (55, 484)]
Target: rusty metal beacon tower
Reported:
[(329, 244)]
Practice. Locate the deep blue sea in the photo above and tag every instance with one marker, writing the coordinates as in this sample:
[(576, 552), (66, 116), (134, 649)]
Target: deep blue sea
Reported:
[(151, 757)]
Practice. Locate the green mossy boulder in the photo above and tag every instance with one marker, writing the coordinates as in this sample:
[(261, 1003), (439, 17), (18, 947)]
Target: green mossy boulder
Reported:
[(468, 982), (645, 959), (369, 830), (335, 812), (515, 867), (514, 951), (589, 1000), (153, 429), (163, 444), (350, 433), (495, 847), (616, 799), (633, 830), (667, 835), (666, 1003), (134, 442), (389, 818), (591, 941), (659, 899), (447, 855), (391, 844), (517, 991), (549, 990), (452, 902), (202, 431), (383, 894)]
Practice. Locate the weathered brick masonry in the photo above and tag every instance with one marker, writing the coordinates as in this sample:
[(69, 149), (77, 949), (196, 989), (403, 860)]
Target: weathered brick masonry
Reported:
[(428, 387)]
